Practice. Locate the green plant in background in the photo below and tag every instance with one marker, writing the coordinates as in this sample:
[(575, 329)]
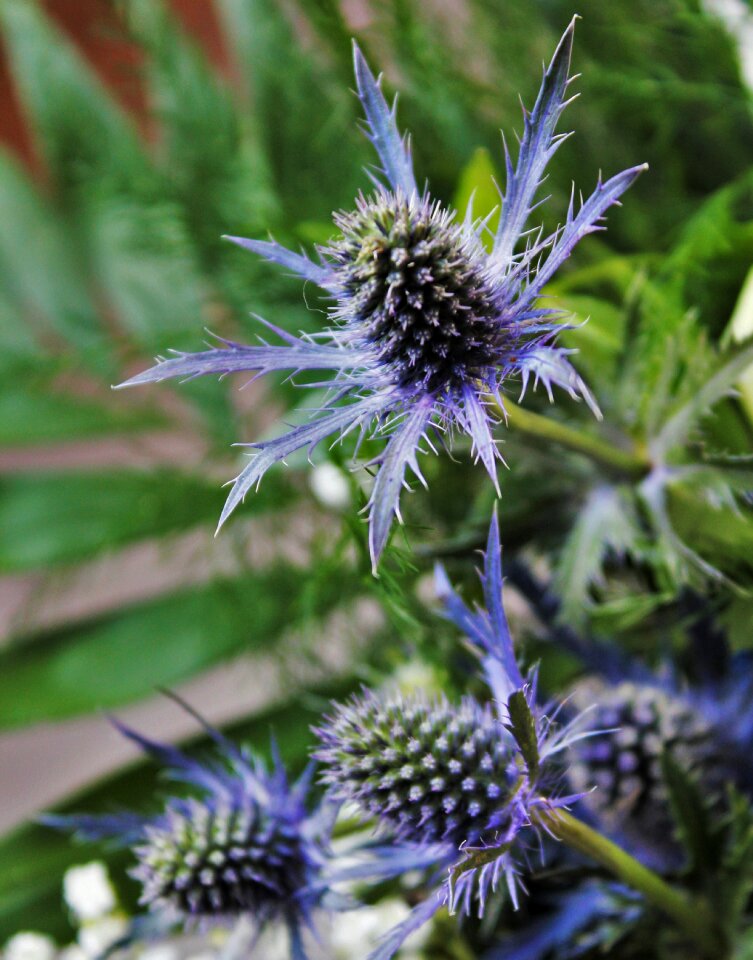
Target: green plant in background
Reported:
[(116, 257)]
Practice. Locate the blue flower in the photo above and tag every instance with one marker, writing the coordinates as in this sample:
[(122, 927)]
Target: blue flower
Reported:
[(426, 327), (703, 722), (459, 784), (247, 842)]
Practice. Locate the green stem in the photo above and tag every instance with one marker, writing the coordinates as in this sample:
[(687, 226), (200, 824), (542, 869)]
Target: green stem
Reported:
[(632, 464), (691, 916)]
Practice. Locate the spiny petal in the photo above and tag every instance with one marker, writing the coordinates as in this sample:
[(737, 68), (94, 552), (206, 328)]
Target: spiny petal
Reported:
[(400, 453), (550, 366), (502, 646), (382, 129), (580, 225), (297, 262), (235, 357), (536, 149), (399, 934), (476, 423), (307, 435)]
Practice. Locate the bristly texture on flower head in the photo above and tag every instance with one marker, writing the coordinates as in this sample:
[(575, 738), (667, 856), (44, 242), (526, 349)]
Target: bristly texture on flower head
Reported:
[(247, 843), (426, 325), (462, 780)]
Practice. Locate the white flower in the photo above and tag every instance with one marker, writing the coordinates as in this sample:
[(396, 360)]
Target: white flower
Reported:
[(97, 935), (88, 892), (330, 486), (30, 946), (356, 932)]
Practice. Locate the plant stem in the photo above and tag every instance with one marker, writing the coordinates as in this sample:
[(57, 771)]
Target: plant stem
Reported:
[(601, 451), (691, 916)]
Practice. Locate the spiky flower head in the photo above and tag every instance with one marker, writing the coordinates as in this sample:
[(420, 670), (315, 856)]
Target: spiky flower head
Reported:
[(427, 329), (427, 771), (641, 723), (246, 841), (207, 862), (460, 784)]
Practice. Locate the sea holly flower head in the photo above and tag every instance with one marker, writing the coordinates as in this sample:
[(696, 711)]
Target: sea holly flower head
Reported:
[(426, 329), (247, 842), (459, 785), (704, 730)]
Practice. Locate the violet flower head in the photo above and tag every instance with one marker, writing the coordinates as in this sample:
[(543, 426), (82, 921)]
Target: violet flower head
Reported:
[(459, 784), (247, 842), (425, 325)]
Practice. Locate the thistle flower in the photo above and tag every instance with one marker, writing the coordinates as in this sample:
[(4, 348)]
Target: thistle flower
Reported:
[(459, 785), (245, 844), (425, 325)]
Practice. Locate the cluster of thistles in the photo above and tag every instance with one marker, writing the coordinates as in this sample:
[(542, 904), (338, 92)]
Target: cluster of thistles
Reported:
[(427, 330)]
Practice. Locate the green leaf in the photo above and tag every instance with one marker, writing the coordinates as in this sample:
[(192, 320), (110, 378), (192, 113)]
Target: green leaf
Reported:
[(692, 818), (55, 518), (734, 885), (44, 287), (83, 134), (125, 655), (606, 521), (523, 727), (302, 119), (32, 413), (677, 428), (476, 186)]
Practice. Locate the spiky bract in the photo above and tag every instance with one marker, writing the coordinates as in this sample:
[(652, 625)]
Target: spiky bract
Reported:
[(429, 771)]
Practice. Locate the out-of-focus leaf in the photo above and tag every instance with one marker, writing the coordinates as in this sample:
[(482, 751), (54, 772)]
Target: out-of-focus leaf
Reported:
[(476, 186), (39, 275), (723, 536), (605, 522), (207, 151), (31, 413), (598, 336), (36, 857), (81, 130), (692, 817), (120, 657), (54, 518), (302, 116)]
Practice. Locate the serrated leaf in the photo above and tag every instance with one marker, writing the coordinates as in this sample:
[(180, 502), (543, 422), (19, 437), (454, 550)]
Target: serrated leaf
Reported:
[(734, 884), (125, 655), (605, 522), (522, 726)]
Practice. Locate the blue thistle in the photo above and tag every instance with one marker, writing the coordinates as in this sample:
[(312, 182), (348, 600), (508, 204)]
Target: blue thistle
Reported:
[(429, 772), (643, 720), (457, 785), (426, 325), (247, 843)]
